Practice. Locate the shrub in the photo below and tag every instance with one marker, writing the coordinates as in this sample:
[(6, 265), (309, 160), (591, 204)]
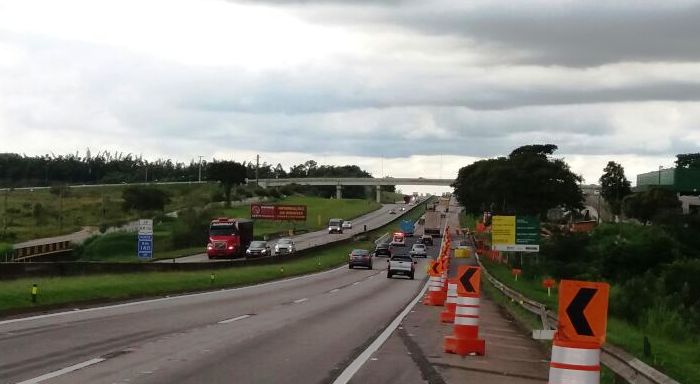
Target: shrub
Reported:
[(144, 198), (192, 228)]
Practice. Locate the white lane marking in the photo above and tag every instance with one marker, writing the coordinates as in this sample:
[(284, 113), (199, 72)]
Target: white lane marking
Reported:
[(355, 283), (334, 290), (150, 301), (355, 366), (63, 371), (233, 319), (301, 300)]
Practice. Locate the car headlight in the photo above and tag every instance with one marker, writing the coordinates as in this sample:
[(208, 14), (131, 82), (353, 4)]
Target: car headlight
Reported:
[(263, 251), (210, 246), (247, 251), (230, 247)]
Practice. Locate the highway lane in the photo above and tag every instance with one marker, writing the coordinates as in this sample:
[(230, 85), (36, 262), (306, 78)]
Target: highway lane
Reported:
[(299, 330), (374, 219)]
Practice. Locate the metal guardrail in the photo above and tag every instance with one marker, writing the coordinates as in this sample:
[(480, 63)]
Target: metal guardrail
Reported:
[(622, 363)]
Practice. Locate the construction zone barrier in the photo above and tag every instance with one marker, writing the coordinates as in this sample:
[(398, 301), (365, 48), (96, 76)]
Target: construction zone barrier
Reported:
[(465, 338), (574, 363), (583, 314), (448, 315)]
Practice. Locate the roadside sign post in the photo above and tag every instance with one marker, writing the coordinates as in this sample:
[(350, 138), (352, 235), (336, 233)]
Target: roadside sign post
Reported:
[(144, 245), (515, 233)]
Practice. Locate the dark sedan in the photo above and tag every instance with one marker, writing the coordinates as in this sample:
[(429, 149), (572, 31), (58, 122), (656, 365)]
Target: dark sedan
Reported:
[(383, 249), (360, 257), (258, 249)]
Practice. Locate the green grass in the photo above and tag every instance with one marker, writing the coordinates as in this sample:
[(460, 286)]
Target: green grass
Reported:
[(59, 291), (680, 360), (82, 207)]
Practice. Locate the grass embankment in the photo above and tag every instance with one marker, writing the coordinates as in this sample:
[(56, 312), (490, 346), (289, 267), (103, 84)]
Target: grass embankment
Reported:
[(15, 294), (121, 246), (679, 359), (41, 213)]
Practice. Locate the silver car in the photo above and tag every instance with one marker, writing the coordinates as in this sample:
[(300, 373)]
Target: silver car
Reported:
[(284, 246), (419, 250)]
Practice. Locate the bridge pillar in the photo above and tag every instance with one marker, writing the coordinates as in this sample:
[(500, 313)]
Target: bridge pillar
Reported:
[(338, 191), (379, 194)]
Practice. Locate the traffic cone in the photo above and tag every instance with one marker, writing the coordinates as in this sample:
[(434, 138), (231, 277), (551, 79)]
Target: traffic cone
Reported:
[(465, 339), (574, 362), (448, 315)]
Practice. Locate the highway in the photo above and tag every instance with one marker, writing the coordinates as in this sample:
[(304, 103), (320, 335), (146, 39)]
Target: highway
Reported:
[(300, 330), (374, 219)]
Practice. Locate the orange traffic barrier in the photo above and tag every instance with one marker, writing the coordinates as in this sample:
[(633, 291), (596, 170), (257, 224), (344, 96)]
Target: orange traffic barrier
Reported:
[(583, 312), (465, 339), (434, 285), (448, 315)]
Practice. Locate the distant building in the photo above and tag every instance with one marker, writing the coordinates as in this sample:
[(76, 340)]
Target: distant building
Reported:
[(685, 182), (680, 180)]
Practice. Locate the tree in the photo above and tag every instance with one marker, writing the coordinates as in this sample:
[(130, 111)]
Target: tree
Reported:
[(228, 174), (688, 160), (144, 199), (614, 186), (653, 204), (527, 182)]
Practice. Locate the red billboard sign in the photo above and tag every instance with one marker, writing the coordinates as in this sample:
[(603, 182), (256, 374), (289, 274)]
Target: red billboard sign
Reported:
[(278, 212)]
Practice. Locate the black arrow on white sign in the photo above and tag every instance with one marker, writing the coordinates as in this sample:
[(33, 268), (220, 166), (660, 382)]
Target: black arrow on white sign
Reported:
[(576, 308), (465, 280)]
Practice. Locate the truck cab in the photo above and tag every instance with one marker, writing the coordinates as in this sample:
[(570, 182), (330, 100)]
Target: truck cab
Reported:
[(229, 238)]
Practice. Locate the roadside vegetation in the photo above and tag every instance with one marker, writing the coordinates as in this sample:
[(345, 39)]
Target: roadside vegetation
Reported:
[(59, 291), (651, 258), (59, 210)]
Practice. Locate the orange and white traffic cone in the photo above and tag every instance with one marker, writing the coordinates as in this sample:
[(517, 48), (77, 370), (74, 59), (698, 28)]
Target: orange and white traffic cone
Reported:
[(573, 362), (465, 339), (448, 315)]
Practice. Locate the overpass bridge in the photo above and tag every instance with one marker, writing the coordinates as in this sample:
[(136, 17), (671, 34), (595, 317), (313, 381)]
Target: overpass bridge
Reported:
[(339, 182)]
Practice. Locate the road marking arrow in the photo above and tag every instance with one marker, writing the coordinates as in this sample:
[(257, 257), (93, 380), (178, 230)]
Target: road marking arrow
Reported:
[(576, 308), (466, 279)]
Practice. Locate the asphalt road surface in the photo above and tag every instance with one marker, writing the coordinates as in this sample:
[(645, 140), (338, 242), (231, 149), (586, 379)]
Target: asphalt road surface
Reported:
[(372, 220), (301, 330)]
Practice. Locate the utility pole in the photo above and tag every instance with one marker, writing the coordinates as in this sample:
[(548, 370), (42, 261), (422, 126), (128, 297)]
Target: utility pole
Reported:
[(4, 214), (257, 168), (60, 210), (146, 179), (200, 168)]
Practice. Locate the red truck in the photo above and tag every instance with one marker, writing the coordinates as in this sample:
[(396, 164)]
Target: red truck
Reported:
[(229, 238)]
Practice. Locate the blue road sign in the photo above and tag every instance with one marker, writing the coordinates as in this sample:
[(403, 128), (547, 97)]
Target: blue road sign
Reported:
[(145, 247)]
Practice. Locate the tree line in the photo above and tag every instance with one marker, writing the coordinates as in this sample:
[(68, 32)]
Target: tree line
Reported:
[(112, 168)]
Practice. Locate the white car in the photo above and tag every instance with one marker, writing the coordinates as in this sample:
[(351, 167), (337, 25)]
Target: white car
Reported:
[(401, 265), (284, 246), (347, 224), (419, 250)]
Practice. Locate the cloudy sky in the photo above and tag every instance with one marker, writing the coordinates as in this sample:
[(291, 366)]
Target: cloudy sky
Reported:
[(401, 88)]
